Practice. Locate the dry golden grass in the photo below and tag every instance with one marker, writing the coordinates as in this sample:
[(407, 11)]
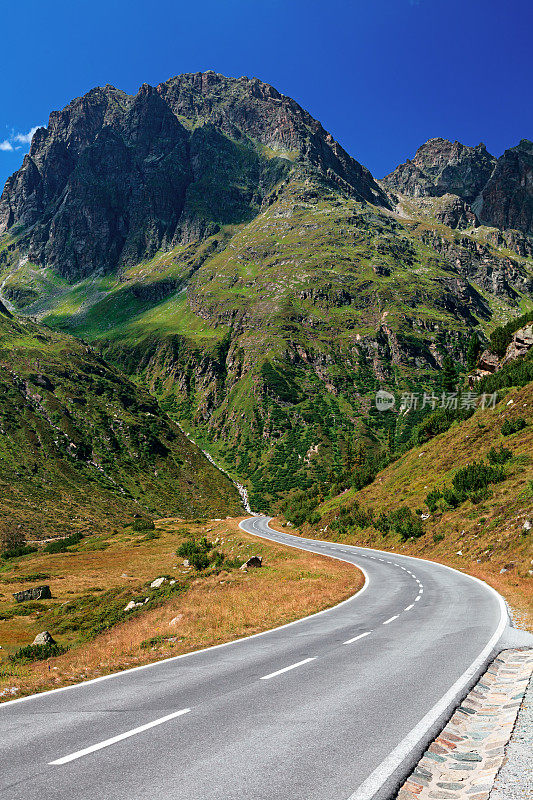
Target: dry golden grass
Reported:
[(215, 608)]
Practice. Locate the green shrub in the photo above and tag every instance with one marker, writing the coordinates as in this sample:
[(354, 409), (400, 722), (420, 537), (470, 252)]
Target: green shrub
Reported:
[(382, 523), (62, 545), (352, 516), (198, 553), (140, 525), (17, 552), (471, 482), (232, 563), (450, 498), (499, 456), (513, 426), (438, 537), (436, 422), (37, 652), (479, 495), (153, 642), (476, 476), (363, 477), (432, 499), (406, 524), (401, 521)]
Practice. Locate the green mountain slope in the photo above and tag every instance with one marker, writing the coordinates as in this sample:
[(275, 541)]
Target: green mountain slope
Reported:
[(263, 319), (465, 496), (269, 342), (82, 448)]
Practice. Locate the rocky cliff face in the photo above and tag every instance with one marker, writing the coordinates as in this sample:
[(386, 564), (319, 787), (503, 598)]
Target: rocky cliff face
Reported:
[(498, 192), (443, 167), (506, 200), (114, 178)]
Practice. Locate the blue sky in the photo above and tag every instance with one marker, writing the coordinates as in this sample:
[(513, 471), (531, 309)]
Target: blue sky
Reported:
[(382, 75)]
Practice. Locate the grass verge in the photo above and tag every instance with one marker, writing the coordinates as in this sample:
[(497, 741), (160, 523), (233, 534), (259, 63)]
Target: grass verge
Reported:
[(91, 588)]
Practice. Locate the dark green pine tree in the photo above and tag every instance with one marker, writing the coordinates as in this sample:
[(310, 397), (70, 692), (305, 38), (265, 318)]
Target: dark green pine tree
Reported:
[(448, 375), (472, 351)]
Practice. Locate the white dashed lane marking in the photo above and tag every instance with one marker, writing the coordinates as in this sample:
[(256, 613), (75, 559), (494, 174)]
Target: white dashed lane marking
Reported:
[(390, 619), (355, 638), (93, 748), (286, 669)]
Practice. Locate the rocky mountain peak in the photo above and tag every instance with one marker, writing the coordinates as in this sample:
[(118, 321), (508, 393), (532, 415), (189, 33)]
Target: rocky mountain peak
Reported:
[(115, 177), (443, 167)]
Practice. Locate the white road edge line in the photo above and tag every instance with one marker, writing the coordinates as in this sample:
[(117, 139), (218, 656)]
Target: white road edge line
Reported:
[(390, 619), (286, 669), (114, 739), (374, 782), (409, 607), (355, 638)]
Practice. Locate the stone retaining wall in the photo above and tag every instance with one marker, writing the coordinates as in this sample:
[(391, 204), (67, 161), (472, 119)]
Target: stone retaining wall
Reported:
[(463, 761)]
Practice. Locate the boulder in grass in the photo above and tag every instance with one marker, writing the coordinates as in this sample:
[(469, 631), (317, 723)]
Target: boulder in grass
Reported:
[(35, 593), (44, 638), (157, 583), (254, 561), (132, 604)]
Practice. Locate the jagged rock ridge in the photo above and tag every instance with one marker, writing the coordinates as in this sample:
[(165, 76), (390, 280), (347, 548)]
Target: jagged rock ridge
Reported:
[(498, 191), (443, 167), (506, 201), (114, 178)]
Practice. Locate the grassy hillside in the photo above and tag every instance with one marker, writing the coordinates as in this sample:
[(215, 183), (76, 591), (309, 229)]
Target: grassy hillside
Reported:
[(82, 448), (222, 249), (268, 340)]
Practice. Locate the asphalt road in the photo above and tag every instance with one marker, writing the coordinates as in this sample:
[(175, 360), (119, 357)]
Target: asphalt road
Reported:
[(337, 706)]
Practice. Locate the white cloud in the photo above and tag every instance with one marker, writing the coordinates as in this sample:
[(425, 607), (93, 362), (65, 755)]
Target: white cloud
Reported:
[(17, 141), (25, 138)]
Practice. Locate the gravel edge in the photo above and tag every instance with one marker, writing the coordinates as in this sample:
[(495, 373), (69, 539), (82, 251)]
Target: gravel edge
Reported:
[(515, 779)]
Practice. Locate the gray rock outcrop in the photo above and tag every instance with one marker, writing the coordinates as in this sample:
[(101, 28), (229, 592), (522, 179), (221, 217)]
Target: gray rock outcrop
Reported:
[(44, 638), (35, 593), (253, 562)]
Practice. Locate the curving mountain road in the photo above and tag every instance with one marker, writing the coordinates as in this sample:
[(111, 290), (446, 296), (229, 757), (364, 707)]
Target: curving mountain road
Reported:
[(337, 706)]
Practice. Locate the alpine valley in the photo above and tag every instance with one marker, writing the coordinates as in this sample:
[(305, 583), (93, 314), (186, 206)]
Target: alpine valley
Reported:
[(210, 242)]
